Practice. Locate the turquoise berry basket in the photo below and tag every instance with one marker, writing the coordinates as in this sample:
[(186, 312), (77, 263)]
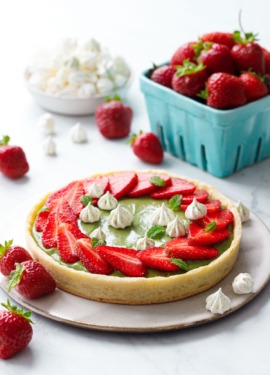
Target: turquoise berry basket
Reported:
[(220, 142)]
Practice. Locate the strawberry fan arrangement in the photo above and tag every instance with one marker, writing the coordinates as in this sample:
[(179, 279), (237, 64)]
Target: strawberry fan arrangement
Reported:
[(223, 70)]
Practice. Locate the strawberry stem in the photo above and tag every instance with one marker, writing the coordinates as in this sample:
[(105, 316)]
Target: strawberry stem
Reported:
[(17, 311), (4, 140), (3, 248)]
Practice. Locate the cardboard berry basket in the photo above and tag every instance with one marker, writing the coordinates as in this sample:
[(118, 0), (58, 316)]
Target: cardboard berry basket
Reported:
[(218, 141)]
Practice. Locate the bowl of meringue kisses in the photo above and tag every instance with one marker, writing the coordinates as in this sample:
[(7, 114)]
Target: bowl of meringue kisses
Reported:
[(75, 77)]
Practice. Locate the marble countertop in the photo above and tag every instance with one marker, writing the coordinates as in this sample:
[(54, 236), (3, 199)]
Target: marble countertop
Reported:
[(234, 344)]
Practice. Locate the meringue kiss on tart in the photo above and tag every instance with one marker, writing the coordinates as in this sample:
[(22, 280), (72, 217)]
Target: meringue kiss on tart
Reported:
[(135, 237)]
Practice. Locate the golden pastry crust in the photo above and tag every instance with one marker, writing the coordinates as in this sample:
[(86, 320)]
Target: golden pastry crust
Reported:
[(139, 290)]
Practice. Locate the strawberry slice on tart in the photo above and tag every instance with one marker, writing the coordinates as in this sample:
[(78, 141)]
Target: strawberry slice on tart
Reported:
[(49, 234), (200, 195), (103, 181), (122, 183), (67, 235), (222, 218), (212, 205), (91, 259), (199, 236), (178, 186), (181, 248), (157, 258), (41, 220), (123, 259), (147, 183)]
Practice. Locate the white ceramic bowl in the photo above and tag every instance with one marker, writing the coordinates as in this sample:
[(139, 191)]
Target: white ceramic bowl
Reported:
[(71, 106)]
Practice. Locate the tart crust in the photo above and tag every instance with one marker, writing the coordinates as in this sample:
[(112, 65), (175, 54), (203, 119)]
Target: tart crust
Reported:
[(139, 290)]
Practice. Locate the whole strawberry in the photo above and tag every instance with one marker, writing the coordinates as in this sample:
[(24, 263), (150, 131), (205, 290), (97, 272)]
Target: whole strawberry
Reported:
[(219, 37), (31, 280), (15, 330), (11, 254), (217, 58), (186, 51), (254, 85), (163, 75), (114, 118), (13, 162), (247, 54), (147, 147), (189, 79), (225, 91)]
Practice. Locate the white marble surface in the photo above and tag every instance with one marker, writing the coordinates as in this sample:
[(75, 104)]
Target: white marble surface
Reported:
[(143, 32)]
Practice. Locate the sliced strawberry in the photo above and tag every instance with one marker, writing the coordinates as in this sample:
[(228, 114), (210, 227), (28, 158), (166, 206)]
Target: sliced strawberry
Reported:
[(54, 198), (198, 236), (124, 260), (41, 220), (49, 234), (178, 186), (222, 218), (73, 196), (122, 183), (180, 248), (103, 181), (158, 259), (199, 195), (65, 212), (90, 258), (144, 186), (212, 205), (66, 243)]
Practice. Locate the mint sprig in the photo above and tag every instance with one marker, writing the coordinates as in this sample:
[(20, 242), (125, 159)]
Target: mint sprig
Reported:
[(157, 181), (95, 242), (85, 199), (180, 263), (155, 232), (210, 227), (175, 202)]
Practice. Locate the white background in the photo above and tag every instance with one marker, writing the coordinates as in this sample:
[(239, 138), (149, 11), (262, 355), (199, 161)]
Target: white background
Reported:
[(143, 32)]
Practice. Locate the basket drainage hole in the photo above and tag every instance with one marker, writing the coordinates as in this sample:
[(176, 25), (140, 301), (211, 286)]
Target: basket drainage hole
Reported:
[(160, 135), (258, 150), (182, 147), (237, 159), (203, 158)]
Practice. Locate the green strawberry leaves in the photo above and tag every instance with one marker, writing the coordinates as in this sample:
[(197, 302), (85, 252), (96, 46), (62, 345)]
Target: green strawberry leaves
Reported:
[(4, 140), (17, 311), (3, 248), (15, 276), (189, 67)]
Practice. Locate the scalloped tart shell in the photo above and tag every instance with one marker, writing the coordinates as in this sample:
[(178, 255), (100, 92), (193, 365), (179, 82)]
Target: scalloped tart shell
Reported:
[(139, 290)]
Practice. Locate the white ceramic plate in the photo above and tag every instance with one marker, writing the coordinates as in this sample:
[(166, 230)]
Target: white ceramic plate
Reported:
[(71, 106), (60, 306)]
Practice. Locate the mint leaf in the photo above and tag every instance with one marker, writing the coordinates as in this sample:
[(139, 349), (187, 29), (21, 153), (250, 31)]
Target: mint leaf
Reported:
[(210, 227), (175, 202), (156, 232), (85, 199), (180, 263), (158, 181), (95, 242)]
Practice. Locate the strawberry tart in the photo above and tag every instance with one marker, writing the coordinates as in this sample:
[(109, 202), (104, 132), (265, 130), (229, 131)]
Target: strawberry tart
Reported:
[(135, 237)]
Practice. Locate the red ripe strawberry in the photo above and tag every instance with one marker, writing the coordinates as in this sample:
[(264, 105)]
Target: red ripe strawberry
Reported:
[(158, 259), (222, 218), (178, 186), (90, 258), (41, 220), (200, 195), (163, 75), (181, 248), (15, 330), (114, 118), (64, 212), (189, 79), (217, 58), (147, 147), (31, 280), (11, 254), (267, 60), (49, 234), (255, 86), (13, 162), (225, 91), (122, 259), (247, 54), (212, 205), (185, 52), (198, 236), (144, 185), (122, 183), (67, 235), (220, 38)]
